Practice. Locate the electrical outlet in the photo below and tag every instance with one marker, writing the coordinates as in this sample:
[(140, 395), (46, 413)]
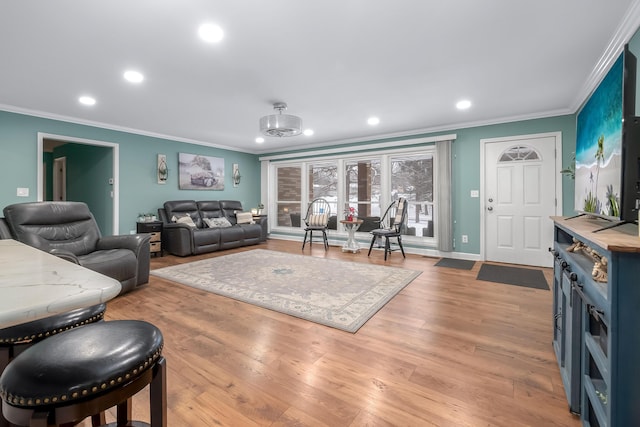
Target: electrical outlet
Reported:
[(465, 238), (22, 192)]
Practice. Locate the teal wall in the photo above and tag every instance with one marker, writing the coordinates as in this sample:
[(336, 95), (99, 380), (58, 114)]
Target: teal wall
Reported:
[(139, 190), (89, 168), (466, 169)]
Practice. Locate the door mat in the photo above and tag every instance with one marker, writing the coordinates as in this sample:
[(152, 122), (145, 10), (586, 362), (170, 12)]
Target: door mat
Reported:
[(460, 264), (527, 277)]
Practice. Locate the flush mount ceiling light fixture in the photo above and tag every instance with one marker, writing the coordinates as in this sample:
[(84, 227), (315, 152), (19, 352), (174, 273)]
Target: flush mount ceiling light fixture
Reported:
[(280, 125)]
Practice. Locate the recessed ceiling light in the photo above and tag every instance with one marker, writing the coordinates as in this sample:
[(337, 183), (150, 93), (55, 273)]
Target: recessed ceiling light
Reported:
[(133, 76), (87, 100), (210, 33), (373, 121), (308, 132), (259, 140), (463, 105)]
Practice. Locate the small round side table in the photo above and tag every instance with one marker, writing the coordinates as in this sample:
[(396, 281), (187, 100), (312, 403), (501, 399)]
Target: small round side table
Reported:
[(351, 245)]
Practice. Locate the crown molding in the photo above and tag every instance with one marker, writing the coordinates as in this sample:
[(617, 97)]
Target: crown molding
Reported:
[(626, 30), (77, 121)]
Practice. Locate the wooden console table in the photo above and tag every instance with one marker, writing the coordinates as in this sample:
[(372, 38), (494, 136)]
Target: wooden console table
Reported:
[(35, 285)]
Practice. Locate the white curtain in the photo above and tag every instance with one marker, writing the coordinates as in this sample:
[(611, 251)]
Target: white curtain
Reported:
[(444, 225)]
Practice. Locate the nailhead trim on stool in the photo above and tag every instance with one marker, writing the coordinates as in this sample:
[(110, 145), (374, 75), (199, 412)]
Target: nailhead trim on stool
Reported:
[(85, 371), (43, 328), (15, 339)]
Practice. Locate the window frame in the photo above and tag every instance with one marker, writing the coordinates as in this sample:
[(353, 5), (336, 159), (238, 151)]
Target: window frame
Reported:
[(382, 155)]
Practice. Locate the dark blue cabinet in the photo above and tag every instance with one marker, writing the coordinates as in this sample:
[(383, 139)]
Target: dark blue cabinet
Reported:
[(597, 322)]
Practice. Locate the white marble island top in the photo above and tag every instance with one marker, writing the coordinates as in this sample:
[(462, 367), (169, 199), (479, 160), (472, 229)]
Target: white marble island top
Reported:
[(35, 284)]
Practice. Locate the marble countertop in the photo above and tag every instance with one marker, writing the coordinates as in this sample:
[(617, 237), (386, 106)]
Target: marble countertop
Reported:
[(35, 284)]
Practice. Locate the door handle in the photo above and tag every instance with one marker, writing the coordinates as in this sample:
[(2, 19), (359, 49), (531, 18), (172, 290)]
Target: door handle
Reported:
[(490, 208)]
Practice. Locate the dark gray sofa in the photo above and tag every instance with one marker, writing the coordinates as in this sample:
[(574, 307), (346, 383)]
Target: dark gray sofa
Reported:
[(69, 231), (183, 240)]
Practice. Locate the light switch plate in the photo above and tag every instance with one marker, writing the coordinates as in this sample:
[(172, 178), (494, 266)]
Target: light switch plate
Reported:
[(475, 193), (22, 192)]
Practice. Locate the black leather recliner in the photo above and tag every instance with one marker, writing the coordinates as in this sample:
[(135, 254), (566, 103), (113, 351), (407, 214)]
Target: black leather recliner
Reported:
[(5, 233), (69, 230)]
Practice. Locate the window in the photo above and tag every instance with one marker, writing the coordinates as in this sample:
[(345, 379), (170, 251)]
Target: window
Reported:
[(519, 153), (362, 192), (412, 178), (323, 182), (368, 182), (289, 196)]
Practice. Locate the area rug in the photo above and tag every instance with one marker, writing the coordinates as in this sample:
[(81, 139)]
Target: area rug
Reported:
[(340, 294), (527, 277), (460, 264)]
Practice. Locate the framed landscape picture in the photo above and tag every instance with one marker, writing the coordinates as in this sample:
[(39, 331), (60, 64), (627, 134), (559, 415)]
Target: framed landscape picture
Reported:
[(199, 172)]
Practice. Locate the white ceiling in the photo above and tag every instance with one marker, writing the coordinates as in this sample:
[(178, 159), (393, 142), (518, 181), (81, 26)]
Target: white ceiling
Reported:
[(335, 62)]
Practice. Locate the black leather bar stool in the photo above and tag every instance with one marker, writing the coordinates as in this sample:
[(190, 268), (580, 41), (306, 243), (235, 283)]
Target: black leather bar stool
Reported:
[(83, 372), (15, 339)]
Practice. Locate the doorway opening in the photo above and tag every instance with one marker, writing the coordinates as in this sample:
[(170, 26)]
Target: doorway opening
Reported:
[(100, 191)]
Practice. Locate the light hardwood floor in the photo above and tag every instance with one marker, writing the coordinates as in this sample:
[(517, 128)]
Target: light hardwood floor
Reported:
[(446, 351)]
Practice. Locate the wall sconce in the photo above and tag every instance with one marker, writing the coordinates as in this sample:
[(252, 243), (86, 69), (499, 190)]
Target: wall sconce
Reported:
[(163, 170), (236, 175)]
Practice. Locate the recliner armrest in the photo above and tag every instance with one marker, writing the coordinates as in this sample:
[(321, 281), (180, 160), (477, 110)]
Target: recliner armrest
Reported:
[(138, 244), (66, 255), (132, 242), (177, 239)]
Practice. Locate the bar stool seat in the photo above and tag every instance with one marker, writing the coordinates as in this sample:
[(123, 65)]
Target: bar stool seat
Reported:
[(36, 330), (15, 339), (83, 372)]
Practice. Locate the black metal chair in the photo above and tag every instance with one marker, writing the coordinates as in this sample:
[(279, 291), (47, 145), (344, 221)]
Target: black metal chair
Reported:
[(317, 219), (392, 225)]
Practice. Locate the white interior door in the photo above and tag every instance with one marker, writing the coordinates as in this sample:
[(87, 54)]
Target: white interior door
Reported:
[(519, 197)]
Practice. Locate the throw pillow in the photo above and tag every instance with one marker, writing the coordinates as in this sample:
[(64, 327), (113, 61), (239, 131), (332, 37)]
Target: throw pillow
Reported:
[(244, 218), (217, 222), (318, 219), (185, 219)]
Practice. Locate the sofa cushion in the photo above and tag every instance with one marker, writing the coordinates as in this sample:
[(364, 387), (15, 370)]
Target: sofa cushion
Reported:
[(318, 220), (230, 208), (210, 209), (184, 219), (181, 207), (244, 218), (217, 222)]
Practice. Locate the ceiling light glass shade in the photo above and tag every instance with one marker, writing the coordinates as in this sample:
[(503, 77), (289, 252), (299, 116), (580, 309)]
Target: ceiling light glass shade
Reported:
[(280, 125)]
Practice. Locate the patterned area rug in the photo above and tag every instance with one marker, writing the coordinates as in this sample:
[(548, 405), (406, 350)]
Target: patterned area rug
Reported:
[(343, 295)]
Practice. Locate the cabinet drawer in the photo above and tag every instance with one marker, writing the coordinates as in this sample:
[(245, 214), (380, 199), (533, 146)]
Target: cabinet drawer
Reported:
[(155, 236), (155, 247), (149, 227)]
